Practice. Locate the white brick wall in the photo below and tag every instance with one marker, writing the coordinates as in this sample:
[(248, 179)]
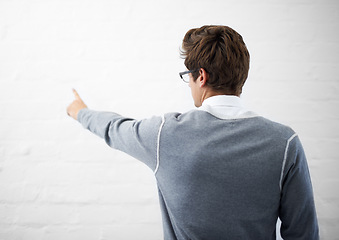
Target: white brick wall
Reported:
[(58, 181)]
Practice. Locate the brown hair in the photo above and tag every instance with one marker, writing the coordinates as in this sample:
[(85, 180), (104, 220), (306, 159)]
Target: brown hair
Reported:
[(223, 54)]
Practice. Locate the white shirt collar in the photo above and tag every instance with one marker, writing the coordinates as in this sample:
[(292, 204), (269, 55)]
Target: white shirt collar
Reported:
[(223, 100), (226, 107)]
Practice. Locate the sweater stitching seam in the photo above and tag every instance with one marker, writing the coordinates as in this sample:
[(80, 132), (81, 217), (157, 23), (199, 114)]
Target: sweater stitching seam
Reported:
[(158, 145), (284, 160)]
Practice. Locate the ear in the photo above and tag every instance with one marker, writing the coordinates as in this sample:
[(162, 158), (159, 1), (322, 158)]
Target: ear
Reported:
[(203, 77)]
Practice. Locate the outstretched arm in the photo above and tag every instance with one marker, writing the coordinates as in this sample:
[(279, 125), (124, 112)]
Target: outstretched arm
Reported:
[(136, 138)]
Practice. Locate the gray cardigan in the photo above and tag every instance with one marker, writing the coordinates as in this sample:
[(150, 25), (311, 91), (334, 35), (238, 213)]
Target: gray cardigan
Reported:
[(218, 178)]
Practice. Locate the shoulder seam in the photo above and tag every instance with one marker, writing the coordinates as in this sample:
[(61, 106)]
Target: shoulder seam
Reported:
[(158, 145), (285, 158)]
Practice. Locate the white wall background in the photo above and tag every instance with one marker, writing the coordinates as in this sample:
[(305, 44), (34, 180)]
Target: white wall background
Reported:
[(58, 181)]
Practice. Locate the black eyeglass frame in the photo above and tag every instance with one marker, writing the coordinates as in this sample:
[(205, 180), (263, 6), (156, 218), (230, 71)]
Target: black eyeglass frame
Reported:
[(186, 72)]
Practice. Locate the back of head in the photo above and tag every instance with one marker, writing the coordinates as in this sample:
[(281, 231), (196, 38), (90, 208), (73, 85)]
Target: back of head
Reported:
[(221, 51)]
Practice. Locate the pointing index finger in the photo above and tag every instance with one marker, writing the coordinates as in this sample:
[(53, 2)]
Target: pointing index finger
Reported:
[(76, 94)]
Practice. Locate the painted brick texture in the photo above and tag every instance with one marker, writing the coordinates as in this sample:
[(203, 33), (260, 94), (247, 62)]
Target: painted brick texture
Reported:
[(58, 181)]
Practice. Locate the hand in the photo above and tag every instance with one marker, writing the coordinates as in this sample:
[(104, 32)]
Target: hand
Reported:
[(74, 108)]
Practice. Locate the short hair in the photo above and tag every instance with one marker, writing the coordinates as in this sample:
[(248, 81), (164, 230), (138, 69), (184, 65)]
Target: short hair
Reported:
[(221, 51)]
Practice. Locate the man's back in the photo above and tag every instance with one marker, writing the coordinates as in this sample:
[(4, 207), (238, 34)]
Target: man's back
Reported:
[(222, 178)]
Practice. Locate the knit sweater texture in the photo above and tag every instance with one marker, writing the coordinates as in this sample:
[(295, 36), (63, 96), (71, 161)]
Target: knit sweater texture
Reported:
[(218, 178)]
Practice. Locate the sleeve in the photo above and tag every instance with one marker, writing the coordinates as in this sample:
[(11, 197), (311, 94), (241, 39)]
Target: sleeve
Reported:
[(297, 209), (136, 138)]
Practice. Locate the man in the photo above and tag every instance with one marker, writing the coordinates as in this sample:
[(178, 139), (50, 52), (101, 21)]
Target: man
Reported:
[(222, 171)]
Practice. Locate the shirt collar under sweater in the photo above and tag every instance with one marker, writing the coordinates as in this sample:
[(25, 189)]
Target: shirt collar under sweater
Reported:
[(226, 107)]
